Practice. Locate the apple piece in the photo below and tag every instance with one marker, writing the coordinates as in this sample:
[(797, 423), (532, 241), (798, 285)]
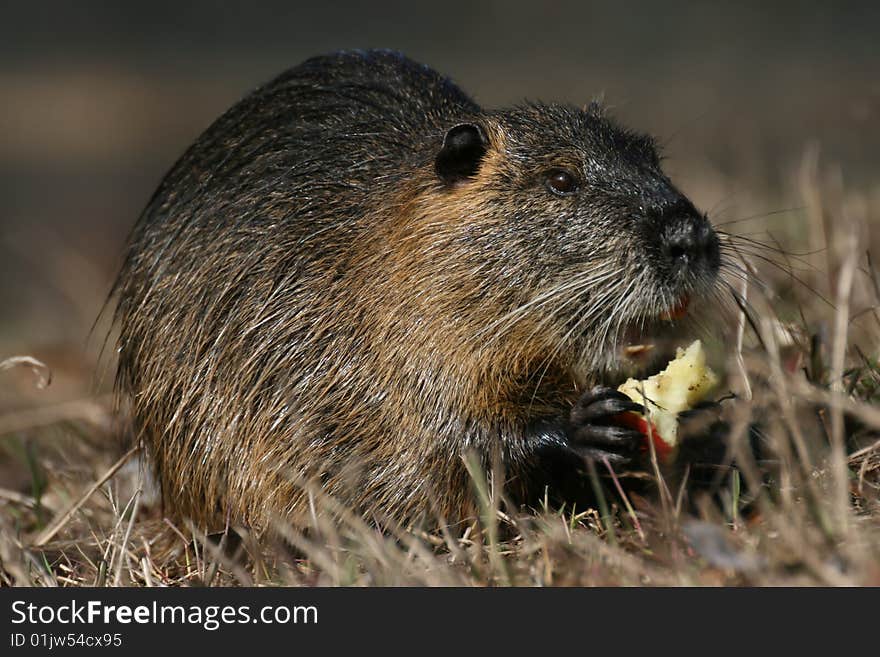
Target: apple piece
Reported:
[(640, 423), (685, 382)]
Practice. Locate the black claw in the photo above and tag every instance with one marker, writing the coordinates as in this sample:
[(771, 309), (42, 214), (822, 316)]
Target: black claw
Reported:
[(608, 434), (593, 432), (600, 402), (596, 454), (603, 409), (602, 392)]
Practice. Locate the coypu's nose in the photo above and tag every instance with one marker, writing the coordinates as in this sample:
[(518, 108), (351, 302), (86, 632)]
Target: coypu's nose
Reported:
[(690, 244)]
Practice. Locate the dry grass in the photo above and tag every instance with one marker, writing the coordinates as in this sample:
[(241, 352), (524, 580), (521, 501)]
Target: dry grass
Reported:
[(76, 509)]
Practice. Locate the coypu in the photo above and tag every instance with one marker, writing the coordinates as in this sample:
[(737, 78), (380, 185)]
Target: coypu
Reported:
[(357, 276)]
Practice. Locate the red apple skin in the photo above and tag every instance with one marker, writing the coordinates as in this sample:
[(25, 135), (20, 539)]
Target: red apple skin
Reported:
[(640, 423)]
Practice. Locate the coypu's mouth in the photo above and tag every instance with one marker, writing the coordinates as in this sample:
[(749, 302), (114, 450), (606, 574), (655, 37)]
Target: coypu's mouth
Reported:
[(656, 339), (678, 311)]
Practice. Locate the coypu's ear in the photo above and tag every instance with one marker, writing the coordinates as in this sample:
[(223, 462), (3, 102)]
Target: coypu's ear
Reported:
[(463, 148)]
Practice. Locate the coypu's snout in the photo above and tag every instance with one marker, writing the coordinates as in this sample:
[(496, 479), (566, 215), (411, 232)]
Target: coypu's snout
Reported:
[(689, 246), (686, 251)]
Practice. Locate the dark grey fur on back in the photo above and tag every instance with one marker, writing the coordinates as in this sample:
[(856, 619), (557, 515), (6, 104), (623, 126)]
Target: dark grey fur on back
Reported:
[(357, 276)]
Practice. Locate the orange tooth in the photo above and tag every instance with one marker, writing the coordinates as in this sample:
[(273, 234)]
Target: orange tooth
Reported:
[(677, 312)]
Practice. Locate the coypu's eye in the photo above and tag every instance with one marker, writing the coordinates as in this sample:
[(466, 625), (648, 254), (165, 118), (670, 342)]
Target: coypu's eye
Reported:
[(561, 182)]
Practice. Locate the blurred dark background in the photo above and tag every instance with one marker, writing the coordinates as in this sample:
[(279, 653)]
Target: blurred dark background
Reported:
[(98, 99)]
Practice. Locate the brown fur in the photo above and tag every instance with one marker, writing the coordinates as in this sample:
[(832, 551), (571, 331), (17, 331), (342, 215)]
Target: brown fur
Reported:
[(357, 330)]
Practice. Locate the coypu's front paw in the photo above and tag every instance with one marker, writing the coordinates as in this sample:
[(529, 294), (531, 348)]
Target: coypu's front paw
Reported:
[(592, 432)]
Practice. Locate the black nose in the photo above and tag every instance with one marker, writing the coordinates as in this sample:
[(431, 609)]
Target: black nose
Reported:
[(689, 243)]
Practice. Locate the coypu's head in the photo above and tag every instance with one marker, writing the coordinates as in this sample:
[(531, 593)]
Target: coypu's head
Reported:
[(594, 242)]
